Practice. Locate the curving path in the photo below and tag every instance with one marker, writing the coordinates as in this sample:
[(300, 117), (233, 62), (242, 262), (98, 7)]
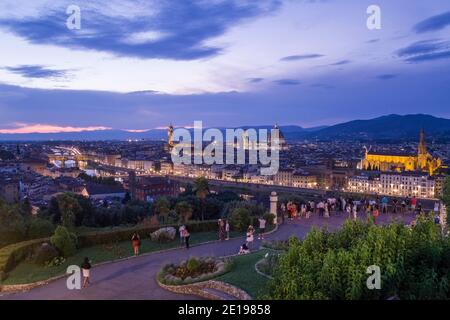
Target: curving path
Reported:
[(135, 278)]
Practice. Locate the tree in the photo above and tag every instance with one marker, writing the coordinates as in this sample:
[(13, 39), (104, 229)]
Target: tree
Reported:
[(162, 208), (184, 210), (201, 189), (12, 224), (64, 241), (240, 219), (70, 209), (25, 207), (446, 197), (127, 198)]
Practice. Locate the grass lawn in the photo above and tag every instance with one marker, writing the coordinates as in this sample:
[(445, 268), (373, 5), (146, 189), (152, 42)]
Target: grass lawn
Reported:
[(27, 271), (244, 276)]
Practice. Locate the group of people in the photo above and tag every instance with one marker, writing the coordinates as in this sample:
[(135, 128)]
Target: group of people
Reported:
[(352, 207), (224, 230)]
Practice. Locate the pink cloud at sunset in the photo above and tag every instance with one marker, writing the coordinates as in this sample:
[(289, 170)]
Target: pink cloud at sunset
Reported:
[(47, 128)]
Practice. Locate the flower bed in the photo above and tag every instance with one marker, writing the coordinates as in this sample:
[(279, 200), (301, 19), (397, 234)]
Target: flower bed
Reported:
[(193, 270)]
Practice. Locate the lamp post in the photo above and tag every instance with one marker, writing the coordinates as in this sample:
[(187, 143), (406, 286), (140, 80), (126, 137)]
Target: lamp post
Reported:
[(273, 205)]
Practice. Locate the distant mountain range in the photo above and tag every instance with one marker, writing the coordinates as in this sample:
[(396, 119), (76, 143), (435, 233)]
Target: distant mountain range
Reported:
[(386, 127)]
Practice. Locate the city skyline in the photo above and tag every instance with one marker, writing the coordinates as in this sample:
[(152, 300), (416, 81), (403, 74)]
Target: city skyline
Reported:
[(142, 65)]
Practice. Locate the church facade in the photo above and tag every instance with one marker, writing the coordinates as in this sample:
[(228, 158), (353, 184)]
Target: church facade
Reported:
[(401, 162)]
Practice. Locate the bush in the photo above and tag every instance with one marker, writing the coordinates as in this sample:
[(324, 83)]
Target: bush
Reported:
[(64, 241), (13, 232), (124, 234), (269, 217), (194, 270), (13, 254), (45, 254), (414, 262), (39, 228), (193, 265), (240, 219)]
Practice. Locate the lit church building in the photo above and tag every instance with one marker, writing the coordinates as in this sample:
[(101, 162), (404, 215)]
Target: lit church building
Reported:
[(401, 162), (398, 174)]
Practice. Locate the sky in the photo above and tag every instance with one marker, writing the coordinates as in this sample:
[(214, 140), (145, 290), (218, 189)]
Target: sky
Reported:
[(143, 64)]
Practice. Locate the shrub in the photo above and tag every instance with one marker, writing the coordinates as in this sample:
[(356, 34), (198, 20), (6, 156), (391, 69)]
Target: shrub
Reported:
[(414, 262), (193, 270), (124, 234), (12, 232), (64, 241), (39, 228), (193, 265), (13, 254), (44, 254), (240, 219), (269, 217)]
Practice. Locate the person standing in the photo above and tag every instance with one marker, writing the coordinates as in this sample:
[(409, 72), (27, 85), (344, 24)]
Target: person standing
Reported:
[(187, 236), (227, 229), (384, 204), (181, 232), (395, 204), (250, 237), (221, 230), (375, 214), (403, 205), (413, 203), (136, 241), (349, 210), (355, 212), (86, 269), (262, 227)]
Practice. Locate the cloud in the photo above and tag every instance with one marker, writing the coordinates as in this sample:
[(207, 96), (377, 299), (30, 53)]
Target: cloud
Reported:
[(434, 23), (322, 86), (255, 80), (47, 128), (287, 82), (386, 76), (340, 63), (302, 57), (37, 71), (144, 92), (174, 30), (427, 50)]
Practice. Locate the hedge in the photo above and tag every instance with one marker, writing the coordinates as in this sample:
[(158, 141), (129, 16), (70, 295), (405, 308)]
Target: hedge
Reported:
[(12, 255), (98, 238)]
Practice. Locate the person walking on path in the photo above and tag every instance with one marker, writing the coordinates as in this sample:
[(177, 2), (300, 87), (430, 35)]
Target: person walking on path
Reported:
[(262, 227), (221, 230), (86, 269), (186, 236), (136, 241), (227, 229)]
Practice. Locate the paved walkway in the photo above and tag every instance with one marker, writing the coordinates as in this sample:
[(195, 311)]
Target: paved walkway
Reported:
[(135, 278)]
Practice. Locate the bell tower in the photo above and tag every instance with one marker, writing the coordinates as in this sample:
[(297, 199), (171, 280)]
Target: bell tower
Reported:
[(422, 154), (169, 137)]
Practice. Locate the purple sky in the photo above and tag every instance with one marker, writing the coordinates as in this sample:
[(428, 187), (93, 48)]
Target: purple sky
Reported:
[(144, 64)]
